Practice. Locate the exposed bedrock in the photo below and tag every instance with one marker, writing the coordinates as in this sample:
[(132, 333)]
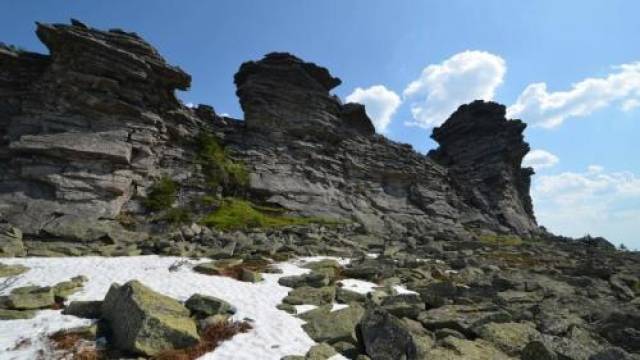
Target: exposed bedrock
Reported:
[(483, 152), (86, 130)]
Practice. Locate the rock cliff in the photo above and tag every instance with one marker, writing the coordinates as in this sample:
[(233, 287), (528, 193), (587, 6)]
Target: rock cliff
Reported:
[(85, 129), (89, 128), (310, 153)]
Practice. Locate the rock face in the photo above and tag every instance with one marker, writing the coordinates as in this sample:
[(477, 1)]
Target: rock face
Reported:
[(282, 94), (311, 154), (85, 130), (483, 152), (143, 321)]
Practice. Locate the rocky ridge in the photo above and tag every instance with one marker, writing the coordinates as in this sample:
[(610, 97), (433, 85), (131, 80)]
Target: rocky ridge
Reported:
[(89, 129), (97, 156)]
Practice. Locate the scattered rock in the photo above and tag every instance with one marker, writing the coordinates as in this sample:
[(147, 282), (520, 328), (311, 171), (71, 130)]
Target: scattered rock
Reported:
[(453, 348), (203, 306), (145, 322), (334, 326), (537, 350), (12, 270), (346, 296), (386, 337), (462, 318), (310, 296), (321, 351), (30, 297), (509, 337), (312, 280), (84, 309), (67, 288)]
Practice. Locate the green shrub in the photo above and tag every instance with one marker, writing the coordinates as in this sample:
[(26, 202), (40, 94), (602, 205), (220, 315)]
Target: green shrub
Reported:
[(161, 195), (237, 214), (218, 168), (501, 240)]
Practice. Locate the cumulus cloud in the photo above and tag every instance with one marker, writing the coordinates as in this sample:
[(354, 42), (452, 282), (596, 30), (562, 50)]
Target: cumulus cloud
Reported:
[(540, 159), (540, 107), (594, 201), (462, 78), (380, 103)]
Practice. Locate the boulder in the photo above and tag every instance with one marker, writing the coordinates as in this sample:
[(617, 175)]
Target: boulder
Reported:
[(334, 326), (30, 297), (64, 289), (453, 348), (312, 280), (145, 322), (84, 309), (311, 296), (202, 306), (386, 337), (321, 351), (11, 241), (538, 350), (346, 296), (12, 270), (509, 337), (463, 318)]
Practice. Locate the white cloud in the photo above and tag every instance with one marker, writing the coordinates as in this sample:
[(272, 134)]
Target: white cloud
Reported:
[(594, 201), (540, 159), (442, 88), (538, 106), (380, 104), (190, 105)]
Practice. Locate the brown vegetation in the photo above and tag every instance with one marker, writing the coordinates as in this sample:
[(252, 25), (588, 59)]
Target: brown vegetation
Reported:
[(77, 345), (210, 338)]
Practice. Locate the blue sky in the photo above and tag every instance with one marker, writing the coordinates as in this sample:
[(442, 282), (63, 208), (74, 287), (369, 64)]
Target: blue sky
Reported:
[(412, 60)]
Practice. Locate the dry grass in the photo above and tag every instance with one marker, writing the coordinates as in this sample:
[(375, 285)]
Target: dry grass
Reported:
[(75, 345), (210, 338), (235, 272)]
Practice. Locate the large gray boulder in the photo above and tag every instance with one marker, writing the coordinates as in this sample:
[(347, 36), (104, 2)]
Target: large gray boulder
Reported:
[(386, 337), (333, 326), (145, 322)]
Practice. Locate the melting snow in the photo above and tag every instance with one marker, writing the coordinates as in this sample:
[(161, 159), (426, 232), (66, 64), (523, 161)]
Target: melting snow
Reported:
[(275, 333)]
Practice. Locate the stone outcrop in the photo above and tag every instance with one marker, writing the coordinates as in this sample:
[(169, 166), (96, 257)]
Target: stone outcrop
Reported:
[(282, 94), (85, 130), (145, 322), (309, 153), (483, 152)]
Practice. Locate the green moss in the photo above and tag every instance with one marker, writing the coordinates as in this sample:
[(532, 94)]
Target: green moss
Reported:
[(236, 214), (218, 168), (162, 194), (501, 240)]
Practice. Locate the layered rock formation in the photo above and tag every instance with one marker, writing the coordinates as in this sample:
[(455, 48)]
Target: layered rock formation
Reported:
[(89, 128), (483, 152), (310, 153), (86, 129)]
